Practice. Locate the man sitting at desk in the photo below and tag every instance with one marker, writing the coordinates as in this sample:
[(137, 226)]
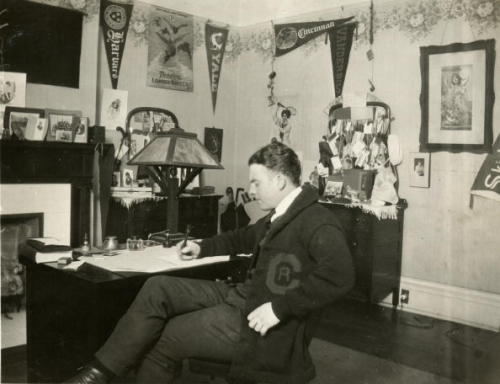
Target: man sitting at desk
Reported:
[(300, 264)]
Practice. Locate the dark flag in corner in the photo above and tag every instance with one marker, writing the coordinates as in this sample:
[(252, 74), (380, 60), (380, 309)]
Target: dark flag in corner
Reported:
[(115, 17), (487, 183), (215, 41), (292, 35), (340, 46)]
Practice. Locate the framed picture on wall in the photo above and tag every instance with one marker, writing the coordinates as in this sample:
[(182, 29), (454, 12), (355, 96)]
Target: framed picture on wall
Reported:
[(213, 141), (23, 123), (60, 124), (419, 169), (457, 96)]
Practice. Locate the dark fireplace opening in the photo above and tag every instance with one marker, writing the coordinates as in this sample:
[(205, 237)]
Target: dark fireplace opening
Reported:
[(15, 229)]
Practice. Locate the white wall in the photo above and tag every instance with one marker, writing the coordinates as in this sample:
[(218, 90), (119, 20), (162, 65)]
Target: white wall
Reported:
[(445, 241)]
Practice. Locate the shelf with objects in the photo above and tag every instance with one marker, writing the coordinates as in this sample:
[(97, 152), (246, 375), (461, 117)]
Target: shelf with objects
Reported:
[(357, 179)]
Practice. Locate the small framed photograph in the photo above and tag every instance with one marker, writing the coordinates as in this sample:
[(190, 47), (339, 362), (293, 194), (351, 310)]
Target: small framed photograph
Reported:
[(116, 180), (127, 178), (333, 188), (80, 129), (22, 123), (60, 125), (420, 169)]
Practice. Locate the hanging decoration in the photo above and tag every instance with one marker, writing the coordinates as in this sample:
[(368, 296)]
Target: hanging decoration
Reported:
[(115, 17), (215, 42), (340, 46), (293, 35), (487, 183)]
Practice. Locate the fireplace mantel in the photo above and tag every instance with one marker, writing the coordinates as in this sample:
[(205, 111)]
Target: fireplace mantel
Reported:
[(31, 162)]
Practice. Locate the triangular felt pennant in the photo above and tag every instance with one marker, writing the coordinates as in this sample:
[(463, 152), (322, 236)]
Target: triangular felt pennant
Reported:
[(115, 17), (292, 35), (487, 182), (340, 46), (215, 41)]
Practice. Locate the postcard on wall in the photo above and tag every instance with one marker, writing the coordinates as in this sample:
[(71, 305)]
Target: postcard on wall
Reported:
[(170, 52), (12, 92), (114, 108)]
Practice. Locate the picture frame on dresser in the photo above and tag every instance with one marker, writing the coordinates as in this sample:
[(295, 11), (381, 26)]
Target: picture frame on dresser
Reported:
[(457, 97), (60, 124), (24, 123)]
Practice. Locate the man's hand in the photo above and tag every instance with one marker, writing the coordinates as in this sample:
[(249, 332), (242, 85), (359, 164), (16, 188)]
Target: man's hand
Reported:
[(189, 251), (261, 319)]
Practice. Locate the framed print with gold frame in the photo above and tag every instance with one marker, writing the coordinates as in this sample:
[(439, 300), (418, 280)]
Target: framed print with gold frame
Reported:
[(457, 96)]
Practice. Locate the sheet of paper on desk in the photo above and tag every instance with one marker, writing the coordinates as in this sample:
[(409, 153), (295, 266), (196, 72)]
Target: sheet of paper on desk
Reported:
[(151, 259)]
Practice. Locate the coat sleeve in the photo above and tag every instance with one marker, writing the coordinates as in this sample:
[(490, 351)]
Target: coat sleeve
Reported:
[(331, 277), (230, 243)]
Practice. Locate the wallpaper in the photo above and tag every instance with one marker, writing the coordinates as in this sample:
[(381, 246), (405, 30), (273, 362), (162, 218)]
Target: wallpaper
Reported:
[(414, 18)]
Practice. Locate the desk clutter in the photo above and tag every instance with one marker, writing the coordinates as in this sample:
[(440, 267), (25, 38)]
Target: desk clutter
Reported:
[(137, 255)]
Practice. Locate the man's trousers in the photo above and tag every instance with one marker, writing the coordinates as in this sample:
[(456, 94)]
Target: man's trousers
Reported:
[(172, 319)]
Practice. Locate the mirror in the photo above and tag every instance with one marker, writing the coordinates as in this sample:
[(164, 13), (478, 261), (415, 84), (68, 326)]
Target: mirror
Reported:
[(143, 123)]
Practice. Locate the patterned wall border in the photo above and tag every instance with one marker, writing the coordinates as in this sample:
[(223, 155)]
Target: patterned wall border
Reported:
[(414, 18)]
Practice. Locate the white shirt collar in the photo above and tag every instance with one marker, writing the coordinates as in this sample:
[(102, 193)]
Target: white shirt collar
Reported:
[(285, 203)]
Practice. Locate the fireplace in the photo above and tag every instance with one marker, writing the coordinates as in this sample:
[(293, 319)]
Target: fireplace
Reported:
[(15, 229), (43, 168)]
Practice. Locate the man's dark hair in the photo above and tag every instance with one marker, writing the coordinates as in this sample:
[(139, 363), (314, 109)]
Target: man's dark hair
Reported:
[(279, 158)]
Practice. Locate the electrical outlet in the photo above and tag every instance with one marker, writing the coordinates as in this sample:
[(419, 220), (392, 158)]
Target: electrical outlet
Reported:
[(405, 296)]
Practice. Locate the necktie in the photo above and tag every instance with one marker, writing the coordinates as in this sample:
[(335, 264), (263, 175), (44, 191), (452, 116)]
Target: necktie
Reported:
[(262, 240)]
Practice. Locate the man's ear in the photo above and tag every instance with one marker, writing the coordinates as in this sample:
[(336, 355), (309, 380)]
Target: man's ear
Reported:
[(281, 181)]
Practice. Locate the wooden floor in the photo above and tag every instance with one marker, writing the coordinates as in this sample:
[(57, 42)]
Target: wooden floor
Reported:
[(451, 351)]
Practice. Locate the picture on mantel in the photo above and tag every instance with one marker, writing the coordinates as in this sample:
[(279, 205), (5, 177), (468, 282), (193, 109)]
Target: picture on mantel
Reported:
[(170, 54)]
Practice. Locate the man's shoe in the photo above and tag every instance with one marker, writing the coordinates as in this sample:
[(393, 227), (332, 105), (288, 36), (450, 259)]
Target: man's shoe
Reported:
[(88, 375)]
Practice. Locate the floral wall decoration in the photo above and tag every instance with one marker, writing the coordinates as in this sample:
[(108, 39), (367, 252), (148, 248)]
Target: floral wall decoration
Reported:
[(414, 18)]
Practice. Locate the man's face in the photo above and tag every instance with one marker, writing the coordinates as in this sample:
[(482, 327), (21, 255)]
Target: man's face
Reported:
[(264, 186)]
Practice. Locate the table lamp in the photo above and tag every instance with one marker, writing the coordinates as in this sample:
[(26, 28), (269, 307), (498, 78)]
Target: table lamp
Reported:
[(161, 158)]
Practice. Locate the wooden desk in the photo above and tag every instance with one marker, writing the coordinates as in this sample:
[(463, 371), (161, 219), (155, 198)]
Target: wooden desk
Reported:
[(71, 314)]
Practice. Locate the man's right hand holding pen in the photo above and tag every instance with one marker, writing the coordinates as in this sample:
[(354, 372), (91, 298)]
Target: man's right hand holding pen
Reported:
[(188, 250)]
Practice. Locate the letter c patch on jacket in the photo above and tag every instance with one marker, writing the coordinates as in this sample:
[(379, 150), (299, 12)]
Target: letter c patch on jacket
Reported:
[(283, 273)]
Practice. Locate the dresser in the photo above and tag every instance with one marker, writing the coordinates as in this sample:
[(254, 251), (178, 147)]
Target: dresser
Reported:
[(376, 246)]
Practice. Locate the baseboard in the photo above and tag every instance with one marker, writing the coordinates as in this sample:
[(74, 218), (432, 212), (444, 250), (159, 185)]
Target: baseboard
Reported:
[(475, 308)]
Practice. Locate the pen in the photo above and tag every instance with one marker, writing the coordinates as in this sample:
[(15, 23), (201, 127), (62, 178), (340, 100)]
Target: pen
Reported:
[(186, 234)]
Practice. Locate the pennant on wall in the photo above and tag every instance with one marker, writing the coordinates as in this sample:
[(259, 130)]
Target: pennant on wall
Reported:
[(340, 46), (115, 17), (487, 183), (215, 41), (293, 35)]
